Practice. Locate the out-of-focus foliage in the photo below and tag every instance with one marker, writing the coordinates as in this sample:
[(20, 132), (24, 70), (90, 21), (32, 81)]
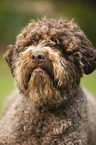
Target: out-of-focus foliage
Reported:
[(15, 14)]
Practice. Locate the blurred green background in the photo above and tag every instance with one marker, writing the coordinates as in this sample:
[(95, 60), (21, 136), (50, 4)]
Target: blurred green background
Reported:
[(15, 14)]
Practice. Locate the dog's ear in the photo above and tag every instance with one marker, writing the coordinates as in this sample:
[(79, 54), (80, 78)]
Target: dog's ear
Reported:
[(9, 57), (88, 57)]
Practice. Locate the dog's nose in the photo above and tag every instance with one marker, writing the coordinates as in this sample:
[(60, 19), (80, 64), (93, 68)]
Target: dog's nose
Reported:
[(38, 56)]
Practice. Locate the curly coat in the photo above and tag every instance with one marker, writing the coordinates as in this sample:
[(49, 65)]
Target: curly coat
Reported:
[(52, 107)]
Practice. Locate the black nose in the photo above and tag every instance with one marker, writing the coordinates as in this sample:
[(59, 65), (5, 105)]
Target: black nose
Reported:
[(38, 56)]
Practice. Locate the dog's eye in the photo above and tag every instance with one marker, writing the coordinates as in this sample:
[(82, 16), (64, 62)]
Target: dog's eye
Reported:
[(58, 46)]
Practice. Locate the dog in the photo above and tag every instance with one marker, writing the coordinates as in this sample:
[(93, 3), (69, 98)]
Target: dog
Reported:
[(50, 107)]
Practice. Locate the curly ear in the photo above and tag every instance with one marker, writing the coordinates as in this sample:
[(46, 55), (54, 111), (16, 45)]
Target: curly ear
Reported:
[(88, 58), (9, 57)]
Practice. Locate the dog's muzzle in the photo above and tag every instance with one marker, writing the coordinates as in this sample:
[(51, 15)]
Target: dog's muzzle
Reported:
[(40, 63)]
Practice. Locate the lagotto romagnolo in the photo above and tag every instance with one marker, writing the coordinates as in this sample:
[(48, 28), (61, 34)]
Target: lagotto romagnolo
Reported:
[(50, 107)]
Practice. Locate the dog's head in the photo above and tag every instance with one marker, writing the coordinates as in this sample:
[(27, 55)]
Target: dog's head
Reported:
[(48, 60)]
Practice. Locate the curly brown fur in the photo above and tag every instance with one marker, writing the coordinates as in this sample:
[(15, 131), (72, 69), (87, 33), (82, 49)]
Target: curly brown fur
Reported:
[(48, 61)]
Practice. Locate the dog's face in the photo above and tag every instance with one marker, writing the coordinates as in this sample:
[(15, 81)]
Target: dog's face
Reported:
[(48, 60), (44, 75)]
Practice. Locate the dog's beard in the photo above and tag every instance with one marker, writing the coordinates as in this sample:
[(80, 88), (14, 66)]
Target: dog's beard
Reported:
[(41, 89)]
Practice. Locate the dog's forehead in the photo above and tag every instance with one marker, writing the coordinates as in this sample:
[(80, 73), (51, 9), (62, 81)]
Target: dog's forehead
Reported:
[(57, 33), (65, 36)]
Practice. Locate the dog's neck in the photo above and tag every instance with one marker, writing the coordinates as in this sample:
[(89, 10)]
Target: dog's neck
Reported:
[(71, 95)]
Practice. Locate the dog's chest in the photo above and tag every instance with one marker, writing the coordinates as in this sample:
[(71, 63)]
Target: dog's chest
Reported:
[(45, 127)]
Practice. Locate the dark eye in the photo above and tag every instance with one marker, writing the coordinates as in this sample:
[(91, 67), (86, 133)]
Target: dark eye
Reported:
[(58, 46)]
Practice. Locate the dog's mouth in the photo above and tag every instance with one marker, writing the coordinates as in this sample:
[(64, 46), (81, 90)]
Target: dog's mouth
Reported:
[(40, 71)]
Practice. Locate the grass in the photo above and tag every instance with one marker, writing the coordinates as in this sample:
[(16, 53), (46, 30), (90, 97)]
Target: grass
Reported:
[(7, 82)]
